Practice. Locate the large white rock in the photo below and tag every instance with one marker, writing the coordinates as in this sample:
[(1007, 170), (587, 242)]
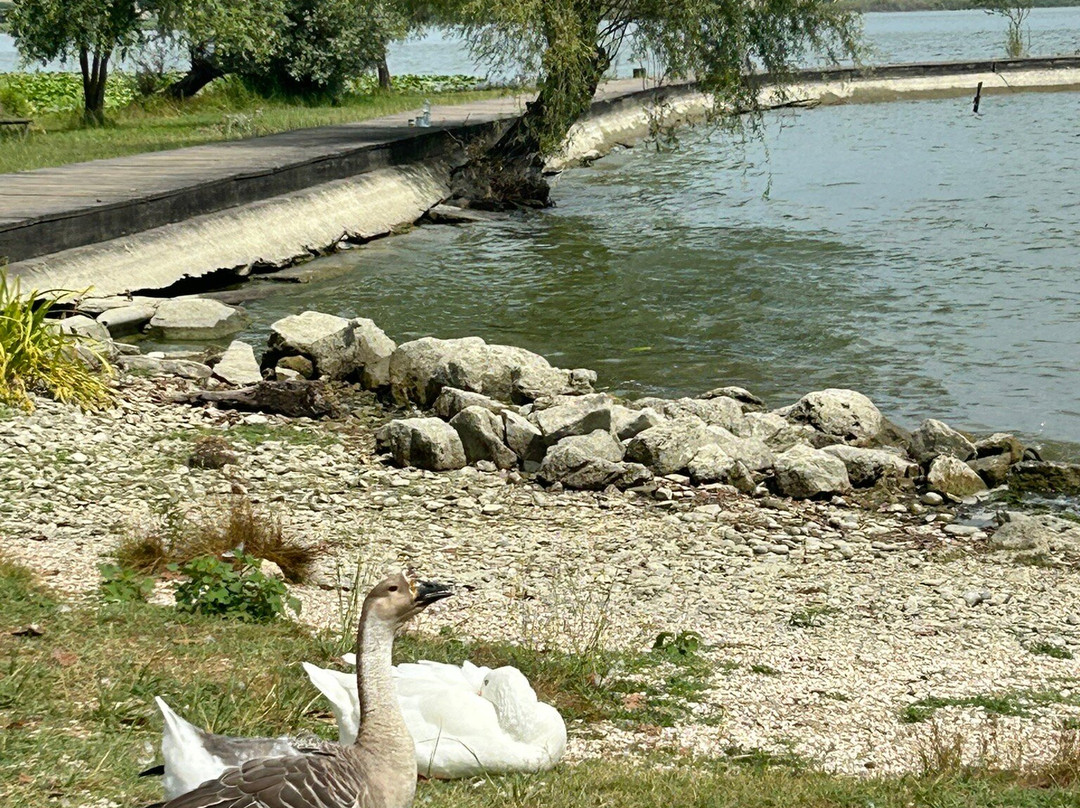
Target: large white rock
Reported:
[(934, 438), (592, 461), (481, 432), (718, 411), (753, 453), (803, 472), (238, 365), (713, 465), (844, 415), (573, 415), (196, 318), (125, 320), (523, 437), (668, 447), (1036, 533), (776, 432), (866, 466), (426, 443), (451, 401), (948, 475), (421, 368), (338, 348), (627, 422)]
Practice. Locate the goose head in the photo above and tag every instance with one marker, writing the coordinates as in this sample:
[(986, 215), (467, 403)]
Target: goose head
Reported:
[(400, 597), (513, 698)]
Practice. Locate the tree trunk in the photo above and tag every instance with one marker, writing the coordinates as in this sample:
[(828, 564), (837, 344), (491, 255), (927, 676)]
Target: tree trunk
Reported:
[(510, 173), (384, 74), (95, 76), (202, 72)]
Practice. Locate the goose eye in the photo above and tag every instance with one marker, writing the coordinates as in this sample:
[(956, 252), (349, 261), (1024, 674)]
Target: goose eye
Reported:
[(393, 588)]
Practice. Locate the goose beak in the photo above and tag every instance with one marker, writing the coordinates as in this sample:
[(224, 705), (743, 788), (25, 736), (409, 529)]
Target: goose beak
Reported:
[(427, 592)]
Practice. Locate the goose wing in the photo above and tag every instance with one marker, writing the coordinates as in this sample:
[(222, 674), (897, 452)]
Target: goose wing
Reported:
[(322, 779)]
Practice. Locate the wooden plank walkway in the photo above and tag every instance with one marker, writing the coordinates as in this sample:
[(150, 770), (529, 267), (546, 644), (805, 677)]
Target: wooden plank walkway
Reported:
[(53, 209)]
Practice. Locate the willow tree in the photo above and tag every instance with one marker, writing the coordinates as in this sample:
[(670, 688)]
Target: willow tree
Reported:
[(89, 30), (570, 44), (221, 36)]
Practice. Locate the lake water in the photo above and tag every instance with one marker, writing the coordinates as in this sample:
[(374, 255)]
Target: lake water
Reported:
[(913, 251)]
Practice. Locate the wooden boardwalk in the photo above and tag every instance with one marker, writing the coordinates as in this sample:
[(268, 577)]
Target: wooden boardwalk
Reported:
[(53, 209)]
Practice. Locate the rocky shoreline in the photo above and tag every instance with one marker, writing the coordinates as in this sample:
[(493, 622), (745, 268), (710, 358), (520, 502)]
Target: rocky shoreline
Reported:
[(815, 548)]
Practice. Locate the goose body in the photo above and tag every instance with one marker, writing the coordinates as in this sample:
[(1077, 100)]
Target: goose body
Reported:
[(378, 770), (464, 721), (193, 755)]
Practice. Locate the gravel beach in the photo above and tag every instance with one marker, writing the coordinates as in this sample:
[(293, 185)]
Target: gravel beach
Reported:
[(825, 619)]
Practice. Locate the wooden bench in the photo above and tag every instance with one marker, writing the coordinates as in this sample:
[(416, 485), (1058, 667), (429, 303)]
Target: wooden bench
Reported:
[(21, 122)]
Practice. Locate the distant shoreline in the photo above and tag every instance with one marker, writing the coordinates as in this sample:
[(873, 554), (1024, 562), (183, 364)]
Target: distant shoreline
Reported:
[(939, 5)]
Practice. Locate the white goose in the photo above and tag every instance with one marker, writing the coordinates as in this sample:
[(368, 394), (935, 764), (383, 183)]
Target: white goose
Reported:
[(465, 721)]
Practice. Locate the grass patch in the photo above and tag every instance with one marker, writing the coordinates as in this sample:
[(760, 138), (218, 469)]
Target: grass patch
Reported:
[(659, 781), (764, 670), (76, 701), (811, 616), (225, 110), (36, 355), (628, 688), (1043, 648), (1019, 703), (177, 538)]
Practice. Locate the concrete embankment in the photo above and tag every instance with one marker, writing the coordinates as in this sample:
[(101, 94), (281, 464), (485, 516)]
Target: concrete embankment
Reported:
[(150, 221)]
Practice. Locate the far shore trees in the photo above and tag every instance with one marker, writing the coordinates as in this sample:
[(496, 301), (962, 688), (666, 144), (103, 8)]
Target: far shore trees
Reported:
[(90, 30), (570, 44), (292, 46)]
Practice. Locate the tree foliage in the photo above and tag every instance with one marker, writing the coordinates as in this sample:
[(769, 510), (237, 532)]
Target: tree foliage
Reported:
[(570, 44), (326, 42), (90, 30)]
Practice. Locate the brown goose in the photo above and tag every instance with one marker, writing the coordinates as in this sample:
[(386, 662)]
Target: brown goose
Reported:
[(379, 769)]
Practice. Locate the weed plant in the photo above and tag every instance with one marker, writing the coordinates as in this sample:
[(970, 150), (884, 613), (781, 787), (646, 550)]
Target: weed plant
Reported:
[(232, 587), (35, 355), (177, 538)]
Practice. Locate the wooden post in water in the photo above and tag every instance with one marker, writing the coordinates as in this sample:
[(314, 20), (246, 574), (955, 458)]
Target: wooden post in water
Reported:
[(978, 97)]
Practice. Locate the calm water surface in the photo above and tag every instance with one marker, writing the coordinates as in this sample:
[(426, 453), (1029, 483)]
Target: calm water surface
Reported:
[(911, 250)]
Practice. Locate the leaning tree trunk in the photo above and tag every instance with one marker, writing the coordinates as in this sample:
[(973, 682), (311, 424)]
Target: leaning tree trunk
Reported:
[(201, 72), (510, 173), (95, 75)]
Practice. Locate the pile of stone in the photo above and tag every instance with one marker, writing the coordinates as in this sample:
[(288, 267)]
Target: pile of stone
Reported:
[(508, 408)]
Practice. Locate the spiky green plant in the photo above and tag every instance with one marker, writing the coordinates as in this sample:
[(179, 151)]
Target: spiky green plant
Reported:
[(37, 355)]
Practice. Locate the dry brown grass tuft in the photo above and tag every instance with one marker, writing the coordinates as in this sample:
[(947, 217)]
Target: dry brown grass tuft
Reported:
[(182, 537), (1063, 769)]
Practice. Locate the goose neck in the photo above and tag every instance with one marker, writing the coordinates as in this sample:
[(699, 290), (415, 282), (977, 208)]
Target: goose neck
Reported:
[(374, 676)]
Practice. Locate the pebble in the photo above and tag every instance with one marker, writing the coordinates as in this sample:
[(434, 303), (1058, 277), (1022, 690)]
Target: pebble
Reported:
[(931, 498)]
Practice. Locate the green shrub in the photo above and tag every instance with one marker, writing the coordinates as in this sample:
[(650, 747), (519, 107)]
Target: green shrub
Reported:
[(122, 585), (232, 587), (36, 355)]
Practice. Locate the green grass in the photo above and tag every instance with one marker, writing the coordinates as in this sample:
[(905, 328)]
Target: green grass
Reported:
[(764, 670), (1043, 648), (77, 721), (1019, 703), (223, 111), (811, 616)]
